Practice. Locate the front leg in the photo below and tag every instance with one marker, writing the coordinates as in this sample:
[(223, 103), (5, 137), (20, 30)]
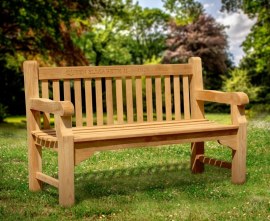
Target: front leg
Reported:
[(66, 161), (66, 171), (239, 154)]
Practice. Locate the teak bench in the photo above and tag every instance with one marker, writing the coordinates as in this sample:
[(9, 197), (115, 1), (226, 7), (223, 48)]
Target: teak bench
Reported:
[(175, 89)]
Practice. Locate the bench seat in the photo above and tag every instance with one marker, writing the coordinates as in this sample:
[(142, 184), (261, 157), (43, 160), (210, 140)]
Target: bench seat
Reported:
[(48, 137)]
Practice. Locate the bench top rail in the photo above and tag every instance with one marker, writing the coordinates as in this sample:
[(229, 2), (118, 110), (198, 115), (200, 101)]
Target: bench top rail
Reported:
[(57, 73)]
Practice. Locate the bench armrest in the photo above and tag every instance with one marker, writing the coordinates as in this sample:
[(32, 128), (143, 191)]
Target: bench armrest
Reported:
[(236, 98), (61, 108)]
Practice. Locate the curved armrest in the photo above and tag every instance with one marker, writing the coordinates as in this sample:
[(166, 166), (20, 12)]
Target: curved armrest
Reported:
[(237, 98), (61, 108)]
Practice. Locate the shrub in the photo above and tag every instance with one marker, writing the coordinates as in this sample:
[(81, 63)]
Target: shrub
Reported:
[(240, 81), (3, 112)]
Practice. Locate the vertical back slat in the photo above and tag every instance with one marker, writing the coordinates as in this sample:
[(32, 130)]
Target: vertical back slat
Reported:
[(177, 104), (88, 102), (56, 90), (109, 101), (129, 99), (78, 102), (139, 102), (45, 94), (168, 102), (149, 99), (119, 100), (186, 98), (67, 95), (99, 105), (158, 98)]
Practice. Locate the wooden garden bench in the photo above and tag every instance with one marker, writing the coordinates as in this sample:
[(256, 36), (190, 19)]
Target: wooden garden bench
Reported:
[(99, 92)]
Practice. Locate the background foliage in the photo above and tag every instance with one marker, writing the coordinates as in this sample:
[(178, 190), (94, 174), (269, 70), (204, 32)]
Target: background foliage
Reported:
[(103, 32), (257, 44)]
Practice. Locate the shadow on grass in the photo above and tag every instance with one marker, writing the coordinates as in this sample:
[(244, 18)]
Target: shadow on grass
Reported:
[(147, 180)]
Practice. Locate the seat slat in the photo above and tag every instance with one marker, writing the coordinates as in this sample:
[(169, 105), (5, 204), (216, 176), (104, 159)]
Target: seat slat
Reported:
[(158, 98), (45, 94), (150, 127), (147, 124), (99, 105), (149, 99), (186, 98), (177, 104), (78, 102), (129, 99), (90, 131), (145, 132), (80, 134), (109, 100), (139, 101), (168, 102), (88, 102), (134, 125), (119, 100)]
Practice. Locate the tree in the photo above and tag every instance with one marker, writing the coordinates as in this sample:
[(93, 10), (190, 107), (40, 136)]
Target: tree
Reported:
[(257, 43), (42, 27), (37, 30), (135, 35), (146, 38), (185, 11), (204, 38), (102, 40)]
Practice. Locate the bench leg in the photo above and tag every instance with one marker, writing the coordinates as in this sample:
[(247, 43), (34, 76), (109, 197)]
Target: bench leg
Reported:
[(35, 165), (239, 158), (239, 155), (197, 148), (66, 171)]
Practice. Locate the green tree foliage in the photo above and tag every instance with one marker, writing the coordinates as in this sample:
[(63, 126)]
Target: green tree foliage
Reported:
[(83, 32), (37, 29), (185, 11), (257, 43), (240, 81), (42, 27), (147, 28), (134, 36), (103, 40), (204, 38)]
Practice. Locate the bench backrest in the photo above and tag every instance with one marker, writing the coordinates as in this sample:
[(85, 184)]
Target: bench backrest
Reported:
[(100, 93)]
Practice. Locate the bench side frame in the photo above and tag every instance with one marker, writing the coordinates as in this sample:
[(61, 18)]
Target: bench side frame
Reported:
[(197, 112), (30, 69)]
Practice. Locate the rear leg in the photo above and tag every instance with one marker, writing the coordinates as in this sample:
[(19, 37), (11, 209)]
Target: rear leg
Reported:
[(197, 148)]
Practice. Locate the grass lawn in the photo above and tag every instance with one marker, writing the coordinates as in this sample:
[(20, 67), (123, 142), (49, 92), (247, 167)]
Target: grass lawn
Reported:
[(139, 184)]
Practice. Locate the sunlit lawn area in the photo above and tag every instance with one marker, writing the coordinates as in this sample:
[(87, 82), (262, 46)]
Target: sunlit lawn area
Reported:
[(139, 184)]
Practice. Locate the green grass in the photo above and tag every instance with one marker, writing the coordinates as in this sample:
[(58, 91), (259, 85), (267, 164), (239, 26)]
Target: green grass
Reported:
[(139, 184)]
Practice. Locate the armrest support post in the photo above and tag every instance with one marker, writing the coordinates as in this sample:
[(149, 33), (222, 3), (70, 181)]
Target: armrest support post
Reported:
[(238, 115), (240, 152), (66, 159)]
